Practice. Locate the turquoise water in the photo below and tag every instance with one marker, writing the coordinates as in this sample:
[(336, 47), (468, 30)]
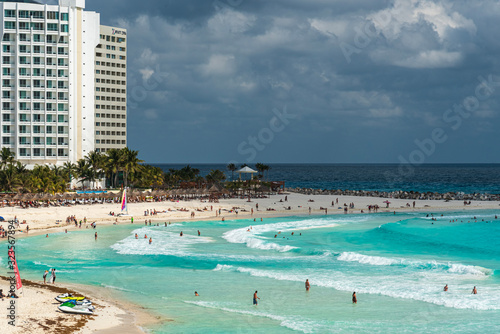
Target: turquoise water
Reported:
[(397, 264)]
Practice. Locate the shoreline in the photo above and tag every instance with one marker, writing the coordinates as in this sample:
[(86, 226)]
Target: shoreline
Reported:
[(112, 313), (42, 221)]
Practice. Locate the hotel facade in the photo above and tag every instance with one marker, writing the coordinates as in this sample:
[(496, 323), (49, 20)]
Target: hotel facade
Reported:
[(111, 89), (49, 80)]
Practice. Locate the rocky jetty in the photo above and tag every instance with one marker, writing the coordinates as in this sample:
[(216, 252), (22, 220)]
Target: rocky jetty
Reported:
[(409, 195)]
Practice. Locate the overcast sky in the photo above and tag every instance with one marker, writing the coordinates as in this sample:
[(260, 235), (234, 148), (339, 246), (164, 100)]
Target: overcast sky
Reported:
[(311, 80)]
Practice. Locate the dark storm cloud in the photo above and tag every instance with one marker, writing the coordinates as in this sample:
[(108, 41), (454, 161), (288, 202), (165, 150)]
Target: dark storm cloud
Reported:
[(363, 79)]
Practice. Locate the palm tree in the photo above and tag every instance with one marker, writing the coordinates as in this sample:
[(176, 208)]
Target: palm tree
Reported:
[(131, 164), (232, 168), (216, 176), (260, 169), (266, 168), (6, 156), (95, 161), (69, 170), (9, 179), (82, 171), (113, 164)]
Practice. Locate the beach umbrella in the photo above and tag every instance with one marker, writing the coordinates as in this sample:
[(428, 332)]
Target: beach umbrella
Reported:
[(17, 197)]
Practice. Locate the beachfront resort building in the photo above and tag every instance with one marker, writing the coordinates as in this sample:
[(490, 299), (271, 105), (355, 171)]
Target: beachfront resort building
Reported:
[(111, 89), (49, 81)]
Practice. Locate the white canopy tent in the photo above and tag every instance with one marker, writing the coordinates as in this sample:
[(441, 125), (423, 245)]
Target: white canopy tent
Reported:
[(247, 170)]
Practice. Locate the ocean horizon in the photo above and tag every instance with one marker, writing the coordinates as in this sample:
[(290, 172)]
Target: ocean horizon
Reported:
[(441, 178)]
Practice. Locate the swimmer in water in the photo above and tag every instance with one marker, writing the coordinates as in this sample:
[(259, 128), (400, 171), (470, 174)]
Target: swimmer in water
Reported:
[(145, 236), (181, 234), (196, 294), (474, 291), (136, 236), (308, 286), (150, 240), (446, 287)]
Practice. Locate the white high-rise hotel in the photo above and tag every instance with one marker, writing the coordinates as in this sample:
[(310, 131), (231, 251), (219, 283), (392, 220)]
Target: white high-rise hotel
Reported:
[(48, 80)]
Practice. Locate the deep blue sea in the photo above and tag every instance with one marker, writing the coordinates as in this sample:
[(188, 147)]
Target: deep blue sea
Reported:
[(467, 178)]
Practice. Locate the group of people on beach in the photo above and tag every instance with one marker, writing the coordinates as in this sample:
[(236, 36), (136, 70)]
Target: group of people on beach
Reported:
[(52, 278)]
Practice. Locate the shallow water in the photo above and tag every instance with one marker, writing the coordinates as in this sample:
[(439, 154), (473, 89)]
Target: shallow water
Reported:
[(397, 264)]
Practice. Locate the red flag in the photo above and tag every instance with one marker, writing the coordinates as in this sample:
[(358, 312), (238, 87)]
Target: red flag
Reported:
[(12, 257)]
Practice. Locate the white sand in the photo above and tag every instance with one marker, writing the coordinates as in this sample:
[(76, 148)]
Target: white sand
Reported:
[(43, 218), (36, 312)]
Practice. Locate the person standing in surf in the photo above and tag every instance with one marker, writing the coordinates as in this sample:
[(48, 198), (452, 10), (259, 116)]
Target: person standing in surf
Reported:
[(45, 276), (308, 286), (474, 291), (255, 298), (53, 276), (446, 287), (354, 298)]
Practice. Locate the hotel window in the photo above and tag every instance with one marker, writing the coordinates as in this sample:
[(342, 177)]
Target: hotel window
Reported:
[(24, 26), (22, 140), (60, 107), (52, 15), (6, 140), (98, 124), (5, 61), (37, 26), (6, 129), (60, 118), (36, 49), (37, 141), (114, 56), (113, 39), (37, 14), (22, 152), (64, 28), (108, 38), (49, 129), (6, 48), (64, 16), (36, 152), (97, 141), (6, 38), (60, 151), (10, 13), (52, 26), (37, 129), (108, 47), (6, 117), (49, 140), (49, 117), (122, 49), (10, 25), (24, 14)]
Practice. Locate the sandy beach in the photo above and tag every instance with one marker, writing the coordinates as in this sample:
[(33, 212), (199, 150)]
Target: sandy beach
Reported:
[(38, 310), (47, 220)]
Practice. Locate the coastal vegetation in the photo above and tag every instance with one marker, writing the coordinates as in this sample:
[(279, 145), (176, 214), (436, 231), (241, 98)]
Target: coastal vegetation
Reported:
[(119, 167)]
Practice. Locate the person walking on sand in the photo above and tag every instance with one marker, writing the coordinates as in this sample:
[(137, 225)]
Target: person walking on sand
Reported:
[(474, 291), (354, 299), (255, 298), (45, 276), (308, 286)]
